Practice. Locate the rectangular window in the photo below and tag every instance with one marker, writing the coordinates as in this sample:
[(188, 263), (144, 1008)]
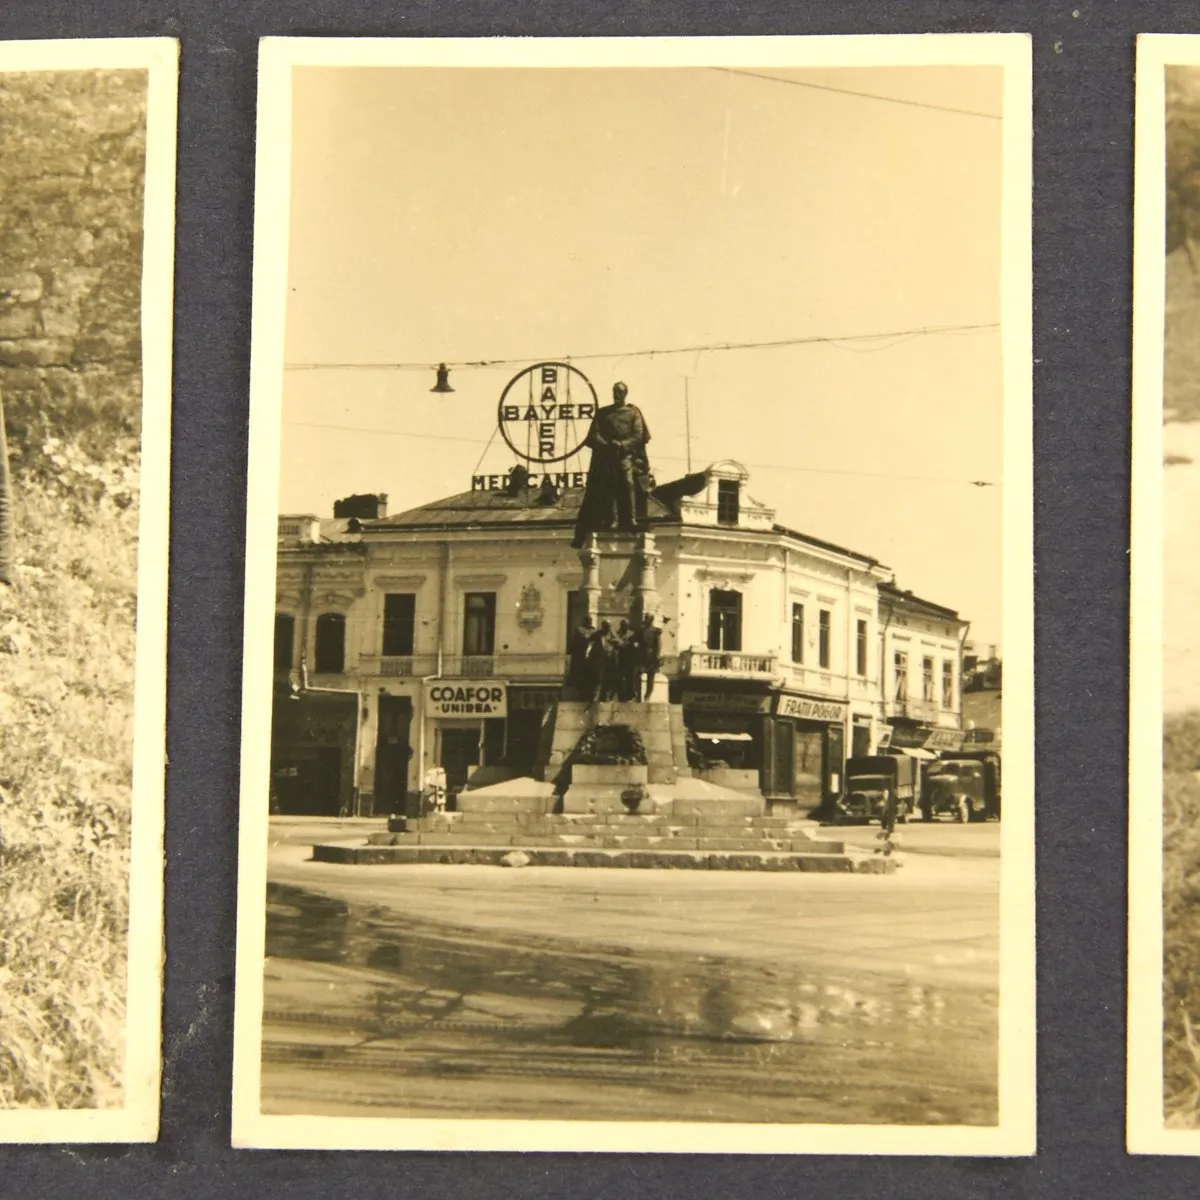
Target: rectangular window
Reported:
[(860, 653), (823, 633), (331, 644), (947, 685), (728, 501), (285, 635), (900, 666), (724, 620), (927, 693), (399, 621), (797, 633), (479, 623)]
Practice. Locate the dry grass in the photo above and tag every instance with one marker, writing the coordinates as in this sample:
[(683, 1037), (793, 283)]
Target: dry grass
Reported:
[(1181, 922), (66, 722)]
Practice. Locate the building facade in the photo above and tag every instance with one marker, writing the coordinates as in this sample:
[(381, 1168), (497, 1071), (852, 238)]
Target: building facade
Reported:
[(437, 638), (922, 652)]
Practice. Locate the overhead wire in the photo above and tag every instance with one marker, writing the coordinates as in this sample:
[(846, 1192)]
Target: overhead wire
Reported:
[(440, 437), (828, 87), (652, 352)]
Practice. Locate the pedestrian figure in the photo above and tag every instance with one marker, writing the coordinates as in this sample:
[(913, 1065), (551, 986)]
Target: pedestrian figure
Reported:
[(610, 687), (628, 662), (650, 648), (579, 684), (597, 661)]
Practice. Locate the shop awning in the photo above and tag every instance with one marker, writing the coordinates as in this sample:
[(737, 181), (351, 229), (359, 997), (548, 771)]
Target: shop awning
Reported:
[(916, 752), (726, 735)]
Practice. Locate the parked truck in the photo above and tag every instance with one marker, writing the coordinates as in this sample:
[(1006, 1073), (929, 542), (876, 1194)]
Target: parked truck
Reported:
[(964, 785), (879, 787)]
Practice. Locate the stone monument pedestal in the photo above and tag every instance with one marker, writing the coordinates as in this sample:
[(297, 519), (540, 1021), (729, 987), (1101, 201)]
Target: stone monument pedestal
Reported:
[(663, 785)]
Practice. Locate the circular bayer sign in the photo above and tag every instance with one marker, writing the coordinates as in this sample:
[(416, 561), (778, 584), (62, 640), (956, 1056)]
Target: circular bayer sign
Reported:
[(545, 412)]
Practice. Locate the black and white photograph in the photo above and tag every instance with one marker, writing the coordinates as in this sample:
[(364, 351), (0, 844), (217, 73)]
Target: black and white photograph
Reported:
[(639, 604), (1164, 931), (87, 158)]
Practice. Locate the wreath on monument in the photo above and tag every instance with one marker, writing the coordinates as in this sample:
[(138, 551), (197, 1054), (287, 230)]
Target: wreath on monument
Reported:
[(611, 746)]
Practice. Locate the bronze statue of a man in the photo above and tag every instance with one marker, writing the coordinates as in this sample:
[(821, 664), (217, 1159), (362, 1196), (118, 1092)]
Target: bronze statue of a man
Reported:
[(618, 479)]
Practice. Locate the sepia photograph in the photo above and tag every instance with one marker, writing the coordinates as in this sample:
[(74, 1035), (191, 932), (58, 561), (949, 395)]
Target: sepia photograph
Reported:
[(639, 598), (1164, 786), (86, 251)]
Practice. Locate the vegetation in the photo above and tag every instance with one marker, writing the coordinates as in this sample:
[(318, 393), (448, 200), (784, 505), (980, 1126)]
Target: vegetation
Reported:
[(66, 726), (1181, 921)]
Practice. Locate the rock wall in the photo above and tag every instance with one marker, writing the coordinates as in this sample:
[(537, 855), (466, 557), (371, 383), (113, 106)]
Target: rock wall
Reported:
[(72, 170)]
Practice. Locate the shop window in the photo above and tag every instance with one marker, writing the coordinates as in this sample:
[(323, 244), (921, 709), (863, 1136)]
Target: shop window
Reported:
[(947, 685), (824, 636), (728, 501), (331, 644), (724, 620), (860, 653), (927, 693), (797, 633), (399, 621), (479, 623), (900, 666), (285, 637)]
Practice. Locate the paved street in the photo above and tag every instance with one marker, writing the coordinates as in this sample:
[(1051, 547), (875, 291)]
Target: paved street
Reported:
[(607, 994)]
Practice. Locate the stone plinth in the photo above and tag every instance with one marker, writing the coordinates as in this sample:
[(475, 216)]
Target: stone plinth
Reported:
[(666, 780), (527, 796), (607, 789)]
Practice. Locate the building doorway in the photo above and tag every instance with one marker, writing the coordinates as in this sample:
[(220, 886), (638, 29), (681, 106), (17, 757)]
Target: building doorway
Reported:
[(460, 752), (860, 739), (393, 752)]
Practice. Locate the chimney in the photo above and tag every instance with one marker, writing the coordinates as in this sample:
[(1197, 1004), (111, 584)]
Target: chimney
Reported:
[(366, 507)]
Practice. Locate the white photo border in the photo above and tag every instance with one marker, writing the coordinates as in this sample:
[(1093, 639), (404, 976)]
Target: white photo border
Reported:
[(1015, 1133), (137, 1119), (1146, 1130)]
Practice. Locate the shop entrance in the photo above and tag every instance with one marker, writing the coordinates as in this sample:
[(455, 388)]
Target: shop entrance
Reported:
[(310, 784), (460, 752), (860, 740), (393, 751)]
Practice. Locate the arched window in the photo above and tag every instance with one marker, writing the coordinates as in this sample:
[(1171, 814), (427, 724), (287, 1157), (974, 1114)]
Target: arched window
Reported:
[(331, 644)]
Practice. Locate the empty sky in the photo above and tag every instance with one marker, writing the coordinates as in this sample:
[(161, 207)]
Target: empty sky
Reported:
[(463, 214)]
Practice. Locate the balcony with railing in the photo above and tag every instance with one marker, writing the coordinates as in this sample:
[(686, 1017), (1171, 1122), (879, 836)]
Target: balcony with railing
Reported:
[(914, 710), (823, 681), (726, 664)]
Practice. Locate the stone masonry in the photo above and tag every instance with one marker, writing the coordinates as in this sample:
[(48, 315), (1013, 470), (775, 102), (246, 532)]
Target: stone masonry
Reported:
[(72, 168)]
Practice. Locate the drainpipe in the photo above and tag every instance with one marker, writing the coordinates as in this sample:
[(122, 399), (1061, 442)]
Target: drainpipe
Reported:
[(962, 644), (849, 633), (306, 591), (883, 664), (443, 589)]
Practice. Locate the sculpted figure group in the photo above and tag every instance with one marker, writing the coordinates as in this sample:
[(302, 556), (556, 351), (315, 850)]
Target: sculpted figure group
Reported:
[(608, 664)]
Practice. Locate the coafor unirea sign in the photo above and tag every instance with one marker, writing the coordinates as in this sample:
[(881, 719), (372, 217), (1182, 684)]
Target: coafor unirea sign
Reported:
[(466, 699)]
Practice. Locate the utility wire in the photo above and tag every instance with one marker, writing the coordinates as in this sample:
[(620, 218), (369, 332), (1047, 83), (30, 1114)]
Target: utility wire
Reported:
[(442, 437), (825, 87), (811, 340)]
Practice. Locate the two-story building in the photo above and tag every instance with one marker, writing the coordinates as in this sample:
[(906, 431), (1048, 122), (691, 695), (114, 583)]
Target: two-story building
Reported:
[(437, 637), (922, 652)]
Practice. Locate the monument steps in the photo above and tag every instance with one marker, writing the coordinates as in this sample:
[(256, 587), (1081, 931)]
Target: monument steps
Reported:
[(692, 842), (645, 859)]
